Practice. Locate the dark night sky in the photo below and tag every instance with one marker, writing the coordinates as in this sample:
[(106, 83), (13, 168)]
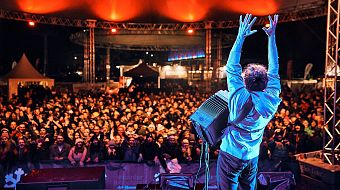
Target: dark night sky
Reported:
[(302, 41)]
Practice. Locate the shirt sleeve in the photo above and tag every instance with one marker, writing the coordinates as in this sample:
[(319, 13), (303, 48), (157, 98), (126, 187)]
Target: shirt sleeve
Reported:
[(234, 70), (273, 86)]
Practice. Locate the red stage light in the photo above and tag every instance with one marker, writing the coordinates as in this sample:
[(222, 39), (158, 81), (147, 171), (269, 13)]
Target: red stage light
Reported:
[(31, 23), (267, 25), (113, 30), (190, 31)]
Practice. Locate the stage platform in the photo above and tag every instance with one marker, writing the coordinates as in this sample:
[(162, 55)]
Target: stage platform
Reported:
[(64, 178), (50, 175), (319, 173), (298, 84)]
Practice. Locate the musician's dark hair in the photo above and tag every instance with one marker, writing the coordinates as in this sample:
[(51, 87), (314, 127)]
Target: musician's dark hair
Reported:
[(255, 77)]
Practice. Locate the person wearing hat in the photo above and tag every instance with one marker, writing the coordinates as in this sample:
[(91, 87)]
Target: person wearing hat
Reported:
[(5, 132), (78, 153), (113, 151)]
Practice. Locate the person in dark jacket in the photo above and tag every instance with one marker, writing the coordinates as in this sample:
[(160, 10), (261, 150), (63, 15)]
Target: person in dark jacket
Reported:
[(60, 150), (131, 150), (148, 150), (7, 152), (96, 151), (22, 152), (280, 148), (169, 152)]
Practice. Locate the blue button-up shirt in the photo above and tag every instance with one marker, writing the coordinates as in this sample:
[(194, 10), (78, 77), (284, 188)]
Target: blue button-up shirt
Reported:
[(240, 143)]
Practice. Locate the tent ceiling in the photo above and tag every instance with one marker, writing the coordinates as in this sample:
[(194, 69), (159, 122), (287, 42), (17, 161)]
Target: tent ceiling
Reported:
[(154, 11), (150, 40)]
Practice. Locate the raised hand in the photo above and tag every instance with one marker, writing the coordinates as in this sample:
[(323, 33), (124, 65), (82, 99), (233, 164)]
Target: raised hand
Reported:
[(244, 29), (271, 30)]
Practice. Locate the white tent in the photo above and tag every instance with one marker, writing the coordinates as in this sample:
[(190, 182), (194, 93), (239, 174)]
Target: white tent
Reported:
[(24, 73)]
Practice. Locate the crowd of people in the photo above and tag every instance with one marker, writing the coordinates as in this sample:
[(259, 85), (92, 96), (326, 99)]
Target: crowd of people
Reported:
[(137, 125)]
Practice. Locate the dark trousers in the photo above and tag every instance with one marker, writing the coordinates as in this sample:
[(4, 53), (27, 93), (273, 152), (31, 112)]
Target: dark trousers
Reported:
[(233, 173)]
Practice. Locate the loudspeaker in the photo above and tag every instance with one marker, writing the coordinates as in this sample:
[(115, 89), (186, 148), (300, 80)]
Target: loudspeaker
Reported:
[(64, 178)]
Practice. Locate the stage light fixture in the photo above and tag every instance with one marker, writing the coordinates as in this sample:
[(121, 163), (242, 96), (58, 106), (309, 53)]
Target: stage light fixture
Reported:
[(113, 30), (190, 31), (31, 23), (267, 25)]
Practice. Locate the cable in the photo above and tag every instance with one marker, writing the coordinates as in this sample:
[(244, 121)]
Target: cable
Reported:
[(199, 169), (207, 169), (205, 149)]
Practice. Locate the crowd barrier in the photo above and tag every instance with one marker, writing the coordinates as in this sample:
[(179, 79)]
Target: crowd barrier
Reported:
[(123, 175), (118, 175)]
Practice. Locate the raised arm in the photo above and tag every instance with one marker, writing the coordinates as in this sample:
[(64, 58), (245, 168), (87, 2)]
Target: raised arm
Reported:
[(273, 59), (234, 68), (273, 85)]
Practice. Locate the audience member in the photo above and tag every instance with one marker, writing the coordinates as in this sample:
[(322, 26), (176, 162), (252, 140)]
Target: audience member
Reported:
[(77, 154)]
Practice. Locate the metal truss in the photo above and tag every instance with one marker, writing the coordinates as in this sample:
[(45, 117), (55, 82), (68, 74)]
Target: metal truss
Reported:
[(331, 140), (92, 54), (307, 11), (89, 56), (86, 68)]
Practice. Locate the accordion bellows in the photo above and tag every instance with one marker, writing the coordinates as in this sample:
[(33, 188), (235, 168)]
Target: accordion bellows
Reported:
[(211, 119)]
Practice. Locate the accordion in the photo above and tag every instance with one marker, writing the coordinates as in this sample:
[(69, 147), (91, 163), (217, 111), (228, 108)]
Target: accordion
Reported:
[(211, 119)]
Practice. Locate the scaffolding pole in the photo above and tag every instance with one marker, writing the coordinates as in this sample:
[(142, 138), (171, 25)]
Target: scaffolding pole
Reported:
[(207, 51), (86, 61), (107, 65)]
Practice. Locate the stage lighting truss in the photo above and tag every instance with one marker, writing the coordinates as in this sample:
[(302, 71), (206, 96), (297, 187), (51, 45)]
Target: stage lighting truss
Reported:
[(331, 135)]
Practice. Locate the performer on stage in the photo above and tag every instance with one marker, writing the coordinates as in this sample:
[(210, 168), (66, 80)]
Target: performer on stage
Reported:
[(259, 88)]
